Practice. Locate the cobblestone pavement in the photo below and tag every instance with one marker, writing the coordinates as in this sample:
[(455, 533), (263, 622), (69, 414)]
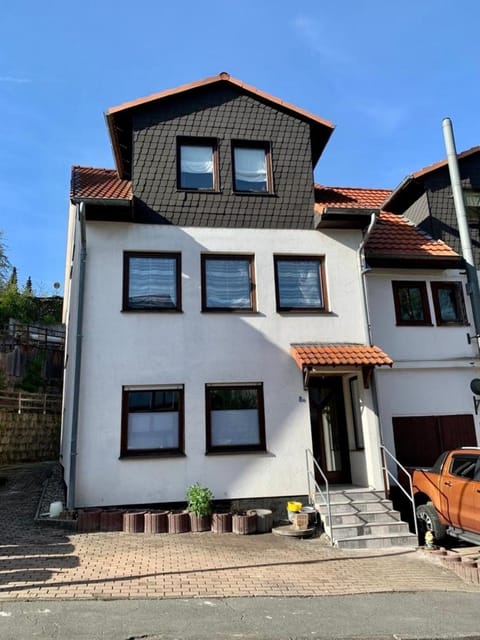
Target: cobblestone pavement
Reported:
[(47, 563)]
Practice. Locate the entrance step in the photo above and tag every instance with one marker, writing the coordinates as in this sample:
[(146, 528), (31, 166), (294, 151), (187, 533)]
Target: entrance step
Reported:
[(363, 519)]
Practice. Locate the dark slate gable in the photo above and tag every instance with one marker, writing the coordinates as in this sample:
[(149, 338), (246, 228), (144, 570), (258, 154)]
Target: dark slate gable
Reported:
[(225, 113)]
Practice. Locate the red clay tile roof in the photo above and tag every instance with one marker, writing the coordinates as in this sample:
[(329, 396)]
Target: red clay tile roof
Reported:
[(443, 163), (349, 198), (395, 236), (337, 355), (101, 184)]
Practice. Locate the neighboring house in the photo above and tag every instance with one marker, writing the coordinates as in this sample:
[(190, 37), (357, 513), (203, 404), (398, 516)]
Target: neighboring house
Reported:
[(216, 325), (425, 197), (421, 316)]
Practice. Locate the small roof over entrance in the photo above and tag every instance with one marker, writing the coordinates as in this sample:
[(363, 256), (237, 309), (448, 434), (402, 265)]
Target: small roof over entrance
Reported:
[(316, 358)]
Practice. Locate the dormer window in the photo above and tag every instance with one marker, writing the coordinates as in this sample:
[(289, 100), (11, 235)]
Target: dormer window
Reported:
[(252, 168), (197, 164)]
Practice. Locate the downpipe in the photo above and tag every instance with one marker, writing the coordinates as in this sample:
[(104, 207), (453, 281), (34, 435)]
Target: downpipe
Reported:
[(72, 476)]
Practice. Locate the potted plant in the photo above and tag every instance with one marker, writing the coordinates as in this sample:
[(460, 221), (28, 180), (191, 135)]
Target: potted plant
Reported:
[(199, 507)]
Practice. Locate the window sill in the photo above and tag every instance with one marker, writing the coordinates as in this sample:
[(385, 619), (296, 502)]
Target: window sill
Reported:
[(415, 324), (241, 452), (151, 310), (244, 312), (264, 194), (212, 191), (452, 324), (151, 454), (306, 312)]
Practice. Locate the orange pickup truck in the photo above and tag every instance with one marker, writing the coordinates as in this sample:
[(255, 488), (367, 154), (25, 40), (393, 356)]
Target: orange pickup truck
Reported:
[(447, 496)]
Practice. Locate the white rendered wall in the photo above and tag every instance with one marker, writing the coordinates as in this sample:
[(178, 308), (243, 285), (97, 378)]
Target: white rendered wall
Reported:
[(194, 348), (433, 365)]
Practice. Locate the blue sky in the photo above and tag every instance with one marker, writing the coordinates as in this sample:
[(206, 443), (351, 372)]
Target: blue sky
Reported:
[(385, 73)]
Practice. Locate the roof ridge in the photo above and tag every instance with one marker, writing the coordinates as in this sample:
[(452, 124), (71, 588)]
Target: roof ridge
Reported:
[(324, 186), (442, 163), (225, 77), (82, 166)]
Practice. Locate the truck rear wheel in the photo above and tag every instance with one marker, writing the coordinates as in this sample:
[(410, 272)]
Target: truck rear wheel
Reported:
[(428, 520)]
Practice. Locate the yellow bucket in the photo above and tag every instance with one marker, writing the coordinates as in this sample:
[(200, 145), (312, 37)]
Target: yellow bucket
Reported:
[(294, 506)]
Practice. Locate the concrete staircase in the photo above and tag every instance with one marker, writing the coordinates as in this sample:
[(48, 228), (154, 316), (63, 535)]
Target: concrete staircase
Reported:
[(363, 519)]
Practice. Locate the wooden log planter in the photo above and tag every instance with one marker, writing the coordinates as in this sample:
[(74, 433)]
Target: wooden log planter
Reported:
[(178, 522), (134, 522), (88, 520), (264, 520), (111, 520), (244, 523), (156, 522), (222, 522), (200, 523)]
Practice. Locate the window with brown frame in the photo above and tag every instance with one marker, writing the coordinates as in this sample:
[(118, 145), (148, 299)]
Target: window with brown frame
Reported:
[(228, 282), (235, 418), (300, 283), (151, 281), (152, 421), (197, 164), (448, 303), (252, 167), (411, 303)]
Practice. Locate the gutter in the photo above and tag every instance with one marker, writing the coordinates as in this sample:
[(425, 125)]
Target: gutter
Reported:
[(364, 270), (78, 359)]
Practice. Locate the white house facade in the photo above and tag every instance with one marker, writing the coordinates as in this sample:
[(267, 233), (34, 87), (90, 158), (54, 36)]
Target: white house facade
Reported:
[(216, 324)]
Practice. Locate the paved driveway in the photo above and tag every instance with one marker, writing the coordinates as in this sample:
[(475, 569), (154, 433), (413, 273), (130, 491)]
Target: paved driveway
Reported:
[(47, 563)]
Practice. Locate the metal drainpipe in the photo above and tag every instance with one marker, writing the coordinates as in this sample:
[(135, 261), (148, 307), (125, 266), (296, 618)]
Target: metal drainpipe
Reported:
[(78, 359), (363, 271), (465, 241)]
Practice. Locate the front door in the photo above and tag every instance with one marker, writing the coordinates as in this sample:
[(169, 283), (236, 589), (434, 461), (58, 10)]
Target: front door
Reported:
[(329, 429)]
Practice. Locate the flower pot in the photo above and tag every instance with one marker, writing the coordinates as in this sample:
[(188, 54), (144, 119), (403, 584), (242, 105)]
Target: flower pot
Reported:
[(264, 520), (200, 523), (244, 523), (88, 520), (111, 520), (178, 522), (222, 522), (156, 522), (134, 522)]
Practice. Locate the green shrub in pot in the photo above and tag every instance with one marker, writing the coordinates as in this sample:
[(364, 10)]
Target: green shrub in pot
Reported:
[(199, 500)]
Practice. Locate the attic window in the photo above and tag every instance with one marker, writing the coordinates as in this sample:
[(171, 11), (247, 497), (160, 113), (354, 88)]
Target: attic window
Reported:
[(197, 164), (252, 167)]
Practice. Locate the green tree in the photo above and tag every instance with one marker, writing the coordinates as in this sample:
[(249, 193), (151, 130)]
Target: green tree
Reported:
[(13, 280), (4, 262)]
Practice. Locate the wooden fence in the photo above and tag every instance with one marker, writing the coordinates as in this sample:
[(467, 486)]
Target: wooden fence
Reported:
[(23, 402)]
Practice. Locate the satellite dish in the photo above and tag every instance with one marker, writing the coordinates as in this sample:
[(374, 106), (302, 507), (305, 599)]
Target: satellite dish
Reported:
[(475, 386)]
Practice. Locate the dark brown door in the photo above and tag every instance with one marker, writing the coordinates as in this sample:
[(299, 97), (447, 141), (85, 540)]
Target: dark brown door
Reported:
[(419, 440), (329, 429)]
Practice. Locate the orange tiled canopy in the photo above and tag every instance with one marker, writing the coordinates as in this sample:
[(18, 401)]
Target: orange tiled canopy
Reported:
[(337, 355)]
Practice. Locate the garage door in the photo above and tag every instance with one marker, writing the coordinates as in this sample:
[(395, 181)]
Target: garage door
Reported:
[(419, 440)]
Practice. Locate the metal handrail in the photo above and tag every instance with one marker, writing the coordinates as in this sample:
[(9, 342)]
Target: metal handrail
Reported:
[(389, 474), (311, 477)]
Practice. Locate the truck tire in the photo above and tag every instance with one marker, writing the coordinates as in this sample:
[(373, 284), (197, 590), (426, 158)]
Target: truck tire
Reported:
[(427, 519)]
